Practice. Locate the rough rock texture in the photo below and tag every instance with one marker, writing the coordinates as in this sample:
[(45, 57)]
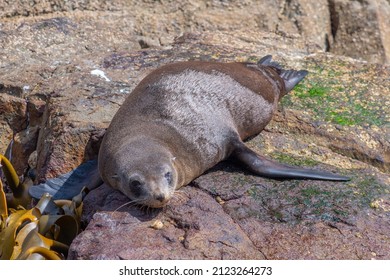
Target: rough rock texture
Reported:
[(361, 29), (354, 28), (194, 227), (65, 70)]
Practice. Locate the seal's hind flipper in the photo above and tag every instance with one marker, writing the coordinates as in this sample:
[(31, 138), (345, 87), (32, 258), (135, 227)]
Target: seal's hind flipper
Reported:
[(267, 61), (292, 78), (266, 168)]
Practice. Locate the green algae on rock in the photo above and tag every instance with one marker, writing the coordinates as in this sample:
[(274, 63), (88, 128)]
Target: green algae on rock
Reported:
[(341, 97)]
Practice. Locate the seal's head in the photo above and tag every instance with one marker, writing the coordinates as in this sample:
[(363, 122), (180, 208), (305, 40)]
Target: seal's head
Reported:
[(146, 175)]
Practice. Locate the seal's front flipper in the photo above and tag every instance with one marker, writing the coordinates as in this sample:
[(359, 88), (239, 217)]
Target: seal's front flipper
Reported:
[(70, 184), (267, 168)]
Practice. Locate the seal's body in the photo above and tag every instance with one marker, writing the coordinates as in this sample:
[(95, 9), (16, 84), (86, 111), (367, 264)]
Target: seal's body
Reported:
[(185, 117)]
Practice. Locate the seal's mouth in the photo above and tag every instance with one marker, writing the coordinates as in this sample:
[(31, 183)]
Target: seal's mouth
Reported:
[(150, 201), (156, 201), (156, 204), (147, 195)]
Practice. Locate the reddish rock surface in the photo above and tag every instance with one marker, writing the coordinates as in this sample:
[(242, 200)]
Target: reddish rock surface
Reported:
[(66, 67)]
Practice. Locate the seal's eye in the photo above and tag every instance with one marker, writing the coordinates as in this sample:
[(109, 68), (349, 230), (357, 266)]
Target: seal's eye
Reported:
[(168, 177), (136, 187), (135, 183)]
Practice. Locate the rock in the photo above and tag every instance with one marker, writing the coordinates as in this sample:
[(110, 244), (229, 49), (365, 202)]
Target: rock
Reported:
[(24, 142), (30, 8), (47, 84), (64, 75), (367, 39), (35, 108), (334, 25), (23, 145), (310, 19), (13, 116), (193, 227)]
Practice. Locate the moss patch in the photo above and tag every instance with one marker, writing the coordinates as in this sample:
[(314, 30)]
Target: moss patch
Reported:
[(293, 160), (344, 98), (297, 201)]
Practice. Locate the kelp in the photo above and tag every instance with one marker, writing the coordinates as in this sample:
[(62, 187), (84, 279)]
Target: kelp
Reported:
[(3, 207), (20, 195), (43, 232)]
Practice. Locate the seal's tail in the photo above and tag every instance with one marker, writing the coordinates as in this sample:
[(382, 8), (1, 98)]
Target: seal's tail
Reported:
[(291, 77)]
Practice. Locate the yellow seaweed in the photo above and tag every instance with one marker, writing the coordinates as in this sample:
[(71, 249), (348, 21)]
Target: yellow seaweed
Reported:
[(44, 253), (3, 207), (20, 237), (10, 174), (43, 232), (34, 239), (14, 223), (63, 228), (20, 195)]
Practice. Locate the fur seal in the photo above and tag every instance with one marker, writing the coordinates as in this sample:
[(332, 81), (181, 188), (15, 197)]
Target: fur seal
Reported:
[(185, 117)]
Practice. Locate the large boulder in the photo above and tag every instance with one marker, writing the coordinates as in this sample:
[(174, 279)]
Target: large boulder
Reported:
[(350, 27), (361, 29), (66, 69)]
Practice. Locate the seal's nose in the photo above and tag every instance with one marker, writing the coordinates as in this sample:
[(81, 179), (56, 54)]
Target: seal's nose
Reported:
[(160, 197)]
